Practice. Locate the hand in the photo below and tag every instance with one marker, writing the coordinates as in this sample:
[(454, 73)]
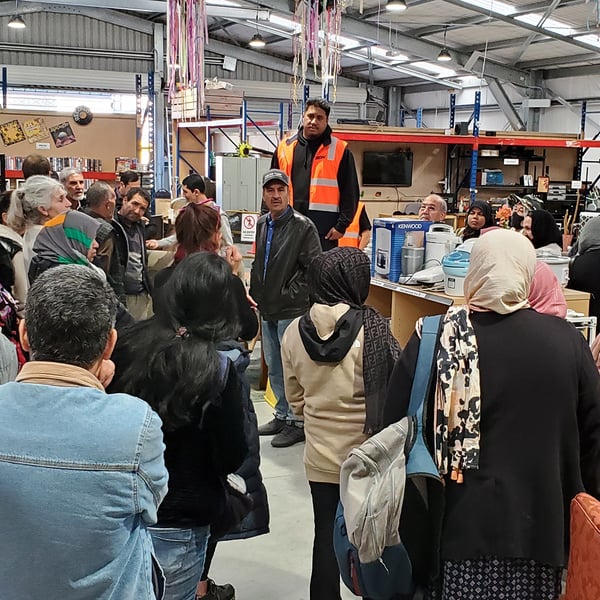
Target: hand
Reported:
[(234, 257), (106, 372), (333, 234), (152, 244), (145, 220), (251, 301), (596, 350)]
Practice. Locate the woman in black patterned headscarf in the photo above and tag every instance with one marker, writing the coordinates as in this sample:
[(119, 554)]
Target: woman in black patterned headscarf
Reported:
[(337, 360)]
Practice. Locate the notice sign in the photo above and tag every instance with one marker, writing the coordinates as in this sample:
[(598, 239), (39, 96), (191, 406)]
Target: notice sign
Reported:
[(248, 233)]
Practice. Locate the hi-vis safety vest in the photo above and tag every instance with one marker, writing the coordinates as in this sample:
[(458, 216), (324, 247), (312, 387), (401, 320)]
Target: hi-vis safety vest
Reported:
[(352, 236), (324, 194)]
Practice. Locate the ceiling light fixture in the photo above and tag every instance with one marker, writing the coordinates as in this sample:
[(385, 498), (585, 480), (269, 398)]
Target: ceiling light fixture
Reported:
[(444, 55), (257, 41), (16, 22), (396, 5)]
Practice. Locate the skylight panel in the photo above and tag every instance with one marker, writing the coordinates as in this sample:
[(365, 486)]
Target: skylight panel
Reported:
[(436, 69), (493, 6), (550, 24), (589, 38)]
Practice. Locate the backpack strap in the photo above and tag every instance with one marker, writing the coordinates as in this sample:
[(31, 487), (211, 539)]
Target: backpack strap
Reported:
[(424, 370), (419, 460)]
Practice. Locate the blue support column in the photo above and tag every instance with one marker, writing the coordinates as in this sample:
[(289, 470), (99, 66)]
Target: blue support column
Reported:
[(452, 111), (4, 86), (475, 151), (402, 117), (244, 124), (580, 151), (305, 96), (151, 132), (419, 118), (139, 117)]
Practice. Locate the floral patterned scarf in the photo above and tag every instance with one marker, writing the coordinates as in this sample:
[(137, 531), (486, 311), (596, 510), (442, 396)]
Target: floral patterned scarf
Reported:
[(499, 278)]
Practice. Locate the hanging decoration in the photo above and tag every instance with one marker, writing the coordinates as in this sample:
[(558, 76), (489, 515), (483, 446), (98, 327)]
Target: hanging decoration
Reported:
[(318, 46), (187, 34)]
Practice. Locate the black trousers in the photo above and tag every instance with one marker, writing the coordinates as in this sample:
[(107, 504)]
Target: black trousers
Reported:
[(325, 576)]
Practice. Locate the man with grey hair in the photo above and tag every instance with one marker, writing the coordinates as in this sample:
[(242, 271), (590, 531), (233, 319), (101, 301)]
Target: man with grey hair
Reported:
[(73, 181), (82, 471), (433, 208)]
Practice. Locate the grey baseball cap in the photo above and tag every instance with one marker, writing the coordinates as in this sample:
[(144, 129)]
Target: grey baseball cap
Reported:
[(275, 175)]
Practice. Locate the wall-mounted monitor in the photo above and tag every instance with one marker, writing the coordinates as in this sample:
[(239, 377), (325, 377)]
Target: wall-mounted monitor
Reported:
[(392, 169)]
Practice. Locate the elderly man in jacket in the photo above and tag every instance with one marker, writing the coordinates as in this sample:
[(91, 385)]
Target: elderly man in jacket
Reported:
[(81, 471), (286, 242)]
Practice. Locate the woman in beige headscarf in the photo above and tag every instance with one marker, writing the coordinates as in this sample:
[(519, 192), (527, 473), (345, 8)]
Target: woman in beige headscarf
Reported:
[(514, 427)]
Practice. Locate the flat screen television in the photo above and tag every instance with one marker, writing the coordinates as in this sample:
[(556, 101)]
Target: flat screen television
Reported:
[(392, 169)]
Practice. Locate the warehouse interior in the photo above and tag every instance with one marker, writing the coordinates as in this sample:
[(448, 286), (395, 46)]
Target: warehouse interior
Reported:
[(490, 99)]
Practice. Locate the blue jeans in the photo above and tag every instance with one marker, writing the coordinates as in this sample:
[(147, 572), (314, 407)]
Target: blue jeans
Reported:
[(272, 332), (180, 553)]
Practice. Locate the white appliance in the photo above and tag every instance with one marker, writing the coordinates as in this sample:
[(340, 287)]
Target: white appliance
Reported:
[(559, 266), (440, 240)]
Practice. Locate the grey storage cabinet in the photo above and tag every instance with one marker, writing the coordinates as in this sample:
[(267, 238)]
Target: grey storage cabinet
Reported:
[(239, 182)]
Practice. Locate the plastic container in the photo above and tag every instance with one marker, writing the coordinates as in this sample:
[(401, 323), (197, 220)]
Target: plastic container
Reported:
[(455, 266), (440, 240)]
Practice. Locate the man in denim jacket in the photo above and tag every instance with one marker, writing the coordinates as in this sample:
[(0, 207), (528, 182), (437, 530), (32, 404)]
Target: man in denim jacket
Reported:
[(81, 471)]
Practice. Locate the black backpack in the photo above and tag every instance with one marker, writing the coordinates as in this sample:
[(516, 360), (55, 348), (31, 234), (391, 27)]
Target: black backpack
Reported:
[(8, 249)]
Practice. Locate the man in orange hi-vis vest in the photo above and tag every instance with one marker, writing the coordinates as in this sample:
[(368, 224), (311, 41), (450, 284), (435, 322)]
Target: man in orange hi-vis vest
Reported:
[(322, 173), (358, 233)]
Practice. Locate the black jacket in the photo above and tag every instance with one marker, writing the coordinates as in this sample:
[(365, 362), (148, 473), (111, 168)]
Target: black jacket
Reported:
[(584, 276), (540, 438), (256, 522), (283, 292), (109, 256), (300, 177), (122, 245)]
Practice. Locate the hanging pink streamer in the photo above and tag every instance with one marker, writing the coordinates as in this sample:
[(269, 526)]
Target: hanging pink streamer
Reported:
[(187, 34)]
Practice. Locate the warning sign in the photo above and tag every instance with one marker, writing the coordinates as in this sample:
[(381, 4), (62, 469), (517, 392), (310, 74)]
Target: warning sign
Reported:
[(248, 233)]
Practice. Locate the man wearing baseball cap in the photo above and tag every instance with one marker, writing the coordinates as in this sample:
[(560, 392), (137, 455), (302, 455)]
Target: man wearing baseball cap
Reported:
[(286, 242)]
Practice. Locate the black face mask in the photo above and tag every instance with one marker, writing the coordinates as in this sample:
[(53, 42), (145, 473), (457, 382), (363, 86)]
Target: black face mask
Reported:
[(516, 220)]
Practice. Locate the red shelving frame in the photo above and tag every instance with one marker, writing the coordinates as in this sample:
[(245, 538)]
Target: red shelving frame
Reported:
[(101, 175)]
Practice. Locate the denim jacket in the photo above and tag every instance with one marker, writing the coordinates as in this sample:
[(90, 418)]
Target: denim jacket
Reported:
[(81, 478)]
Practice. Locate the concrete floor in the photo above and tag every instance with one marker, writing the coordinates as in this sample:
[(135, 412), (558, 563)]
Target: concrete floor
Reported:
[(275, 566)]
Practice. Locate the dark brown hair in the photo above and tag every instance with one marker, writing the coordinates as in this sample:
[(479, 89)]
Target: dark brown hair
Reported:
[(195, 227)]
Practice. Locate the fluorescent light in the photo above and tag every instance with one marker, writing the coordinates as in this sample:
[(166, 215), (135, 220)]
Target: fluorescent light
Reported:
[(433, 68), (223, 3), (17, 22), (396, 5), (283, 22)]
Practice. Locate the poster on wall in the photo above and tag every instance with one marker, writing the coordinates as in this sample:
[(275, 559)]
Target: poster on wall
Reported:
[(62, 134), (11, 133), (35, 130)]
